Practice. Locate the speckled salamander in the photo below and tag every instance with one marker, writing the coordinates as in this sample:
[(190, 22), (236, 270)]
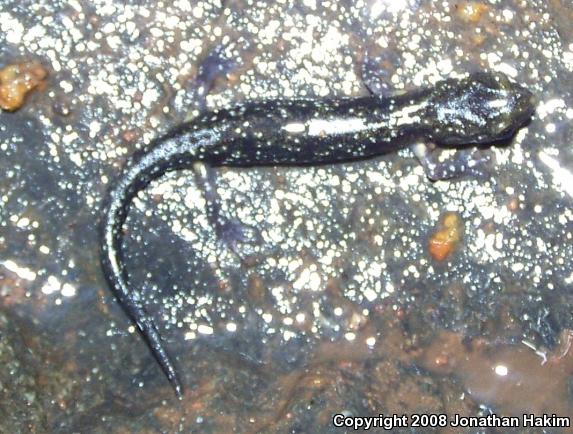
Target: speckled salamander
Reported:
[(483, 108)]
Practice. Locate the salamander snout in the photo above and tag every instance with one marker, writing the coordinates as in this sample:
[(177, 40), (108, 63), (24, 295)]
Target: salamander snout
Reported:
[(482, 108)]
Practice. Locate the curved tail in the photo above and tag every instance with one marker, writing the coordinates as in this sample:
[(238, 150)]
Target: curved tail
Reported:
[(173, 152)]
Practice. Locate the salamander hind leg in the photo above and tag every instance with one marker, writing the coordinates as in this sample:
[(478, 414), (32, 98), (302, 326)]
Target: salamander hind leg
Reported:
[(377, 67), (219, 66), (233, 233)]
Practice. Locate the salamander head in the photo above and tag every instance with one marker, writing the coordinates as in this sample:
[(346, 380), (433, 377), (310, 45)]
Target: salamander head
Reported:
[(483, 108)]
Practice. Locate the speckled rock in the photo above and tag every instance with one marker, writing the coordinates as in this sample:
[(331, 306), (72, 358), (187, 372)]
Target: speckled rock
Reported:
[(21, 409), (342, 286)]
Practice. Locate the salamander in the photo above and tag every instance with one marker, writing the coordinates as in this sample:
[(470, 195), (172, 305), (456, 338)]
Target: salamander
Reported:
[(480, 109)]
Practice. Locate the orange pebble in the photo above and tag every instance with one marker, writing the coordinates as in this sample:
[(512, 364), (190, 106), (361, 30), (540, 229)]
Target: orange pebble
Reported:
[(444, 241), (471, 12), (16, 81)]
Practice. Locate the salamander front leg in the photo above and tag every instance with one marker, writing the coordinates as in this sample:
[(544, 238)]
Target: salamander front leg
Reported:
[(232, 232), (462, 162)]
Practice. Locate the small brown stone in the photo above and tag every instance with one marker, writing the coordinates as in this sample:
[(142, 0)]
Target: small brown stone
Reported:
[(444, 241), (470, 12), (17, 80), (513, 204)]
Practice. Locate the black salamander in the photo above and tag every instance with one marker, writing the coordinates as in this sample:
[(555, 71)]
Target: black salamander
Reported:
[(480, 109)]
